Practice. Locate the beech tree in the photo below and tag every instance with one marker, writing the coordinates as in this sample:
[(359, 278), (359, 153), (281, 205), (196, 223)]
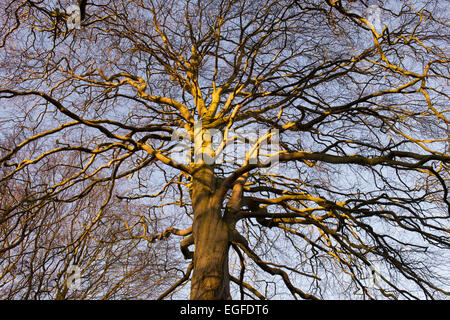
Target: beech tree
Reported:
[(293, 149)]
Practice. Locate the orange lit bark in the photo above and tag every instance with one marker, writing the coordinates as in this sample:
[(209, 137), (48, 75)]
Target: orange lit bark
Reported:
[(210, 279)]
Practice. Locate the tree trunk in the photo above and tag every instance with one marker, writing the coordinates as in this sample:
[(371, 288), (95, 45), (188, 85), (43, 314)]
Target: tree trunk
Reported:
[(210, 279)]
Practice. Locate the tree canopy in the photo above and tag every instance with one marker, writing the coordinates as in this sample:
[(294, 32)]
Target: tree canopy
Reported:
[(290, 149)]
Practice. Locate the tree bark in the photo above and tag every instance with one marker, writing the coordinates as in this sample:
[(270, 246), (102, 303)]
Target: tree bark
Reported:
[(210, 278)]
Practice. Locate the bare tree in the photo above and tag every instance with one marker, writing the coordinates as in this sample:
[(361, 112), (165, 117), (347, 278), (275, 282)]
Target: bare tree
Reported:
[(311, 137), (44, 237)]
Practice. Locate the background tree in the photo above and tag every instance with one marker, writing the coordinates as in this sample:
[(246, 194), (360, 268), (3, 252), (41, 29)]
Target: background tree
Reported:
[(44, 237), (352, 94)]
